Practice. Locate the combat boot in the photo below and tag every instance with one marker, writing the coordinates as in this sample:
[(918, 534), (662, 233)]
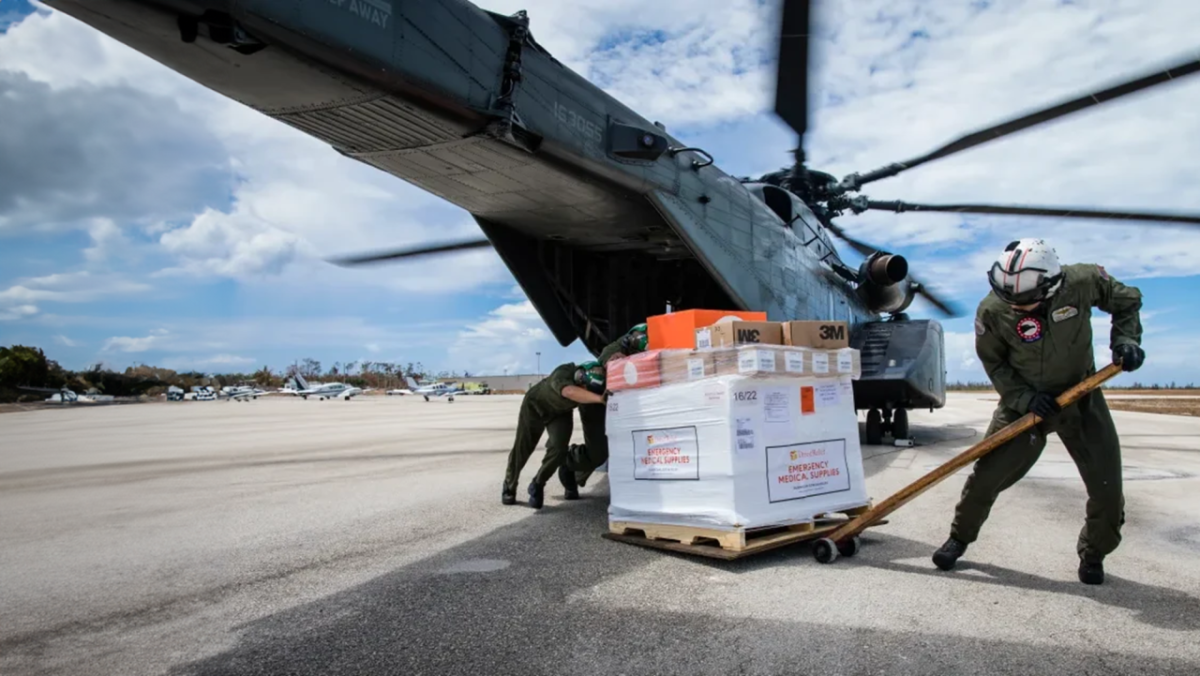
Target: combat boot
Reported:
[(1091, 569), (948, 554), (508, 496), (536, 494), (570, 487)]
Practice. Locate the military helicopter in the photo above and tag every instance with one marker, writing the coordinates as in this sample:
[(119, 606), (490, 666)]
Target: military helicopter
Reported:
[(602, 216)]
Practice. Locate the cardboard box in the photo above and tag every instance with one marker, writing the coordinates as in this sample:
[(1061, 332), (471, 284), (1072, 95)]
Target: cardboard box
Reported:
[(678, 329), (728, 334), (682, 366), (636, 371), (749, 360), (734, 452), (819, 334)]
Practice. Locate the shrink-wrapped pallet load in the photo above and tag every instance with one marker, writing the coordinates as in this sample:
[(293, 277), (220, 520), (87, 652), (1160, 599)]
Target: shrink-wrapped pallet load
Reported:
[(738, 437)]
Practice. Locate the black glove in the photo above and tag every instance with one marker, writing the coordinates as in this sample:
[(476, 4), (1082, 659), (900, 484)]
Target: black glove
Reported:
[(1044, 406), (1131, 356)]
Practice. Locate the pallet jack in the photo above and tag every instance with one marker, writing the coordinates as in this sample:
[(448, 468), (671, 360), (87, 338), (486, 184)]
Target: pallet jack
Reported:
[(844, 540)]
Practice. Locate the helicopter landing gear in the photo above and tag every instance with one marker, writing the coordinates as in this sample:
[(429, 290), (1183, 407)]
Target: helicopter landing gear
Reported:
[(886, 420), (874, 427)]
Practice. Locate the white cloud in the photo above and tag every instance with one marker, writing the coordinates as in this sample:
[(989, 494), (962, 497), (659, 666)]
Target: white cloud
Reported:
[(235, 244), (130, 344), (65, 341), (20, 300), (11, 312), (226, 359), (505, 340)]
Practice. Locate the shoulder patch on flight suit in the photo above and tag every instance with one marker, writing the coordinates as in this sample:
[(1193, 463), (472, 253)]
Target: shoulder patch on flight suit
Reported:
[(1065, 312), (979, 328), (1029, 329), (1103, 272)]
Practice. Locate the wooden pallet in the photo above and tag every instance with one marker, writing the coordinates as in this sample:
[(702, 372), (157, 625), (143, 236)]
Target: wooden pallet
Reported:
[(727, 544)]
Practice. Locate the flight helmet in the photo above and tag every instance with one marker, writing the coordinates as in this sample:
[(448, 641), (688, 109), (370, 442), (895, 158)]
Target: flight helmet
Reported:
[(591, 375), (1026, 272), (635, 340)]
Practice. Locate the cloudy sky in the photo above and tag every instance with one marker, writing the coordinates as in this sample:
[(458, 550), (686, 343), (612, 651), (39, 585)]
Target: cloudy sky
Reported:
[(146, 219)]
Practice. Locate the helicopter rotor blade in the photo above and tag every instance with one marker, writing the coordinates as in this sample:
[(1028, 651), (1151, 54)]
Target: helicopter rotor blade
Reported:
[(1163, 218), (1160, 75), (349, 261), (944, 306), (865, 250), (791, 77), (862, 248)]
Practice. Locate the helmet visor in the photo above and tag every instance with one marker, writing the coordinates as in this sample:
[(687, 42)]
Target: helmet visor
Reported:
[(1027, 296)]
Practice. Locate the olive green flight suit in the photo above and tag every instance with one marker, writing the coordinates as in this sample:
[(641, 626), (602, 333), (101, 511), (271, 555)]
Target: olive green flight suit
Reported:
[(543, 409), (594, 451), (1050, 350)]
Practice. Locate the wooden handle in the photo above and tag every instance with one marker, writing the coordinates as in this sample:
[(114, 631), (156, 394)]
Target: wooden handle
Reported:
[(1005, 434)]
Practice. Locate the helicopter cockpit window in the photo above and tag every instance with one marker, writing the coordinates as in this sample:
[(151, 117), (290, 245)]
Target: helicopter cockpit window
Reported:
[(779, 201)]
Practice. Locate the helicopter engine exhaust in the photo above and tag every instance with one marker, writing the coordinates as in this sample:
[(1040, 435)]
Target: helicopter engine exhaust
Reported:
[(883, 283)]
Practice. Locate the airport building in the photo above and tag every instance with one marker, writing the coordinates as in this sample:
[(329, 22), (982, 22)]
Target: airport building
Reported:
[(504, 384)]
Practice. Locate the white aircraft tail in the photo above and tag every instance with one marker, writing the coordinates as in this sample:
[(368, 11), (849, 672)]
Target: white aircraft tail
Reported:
[(412, 384)]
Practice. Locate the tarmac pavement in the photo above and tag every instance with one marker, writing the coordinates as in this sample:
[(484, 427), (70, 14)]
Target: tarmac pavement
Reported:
[(283, 536)]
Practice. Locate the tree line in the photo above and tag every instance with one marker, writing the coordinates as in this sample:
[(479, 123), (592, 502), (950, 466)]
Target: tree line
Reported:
[(23, 366)]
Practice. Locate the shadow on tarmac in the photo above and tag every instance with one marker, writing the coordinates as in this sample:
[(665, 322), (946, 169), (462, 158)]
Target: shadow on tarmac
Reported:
[(522, 607), (1160, 607)]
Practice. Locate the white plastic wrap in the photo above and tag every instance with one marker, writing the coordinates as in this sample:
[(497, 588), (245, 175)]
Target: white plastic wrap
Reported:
[(734, 451)]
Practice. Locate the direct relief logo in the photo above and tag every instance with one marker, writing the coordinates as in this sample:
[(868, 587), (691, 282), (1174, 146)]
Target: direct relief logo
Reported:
[(652, 439)]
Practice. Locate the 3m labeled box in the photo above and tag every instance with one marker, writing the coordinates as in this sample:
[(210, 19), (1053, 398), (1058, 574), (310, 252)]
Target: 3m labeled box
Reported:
[(734, 452), (728, 334), (678, 329), (820, 334)]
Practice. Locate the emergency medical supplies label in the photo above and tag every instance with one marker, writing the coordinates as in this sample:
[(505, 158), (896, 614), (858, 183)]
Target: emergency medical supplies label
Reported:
[(793, 362), (666, 454), (820, 362), (806, 470)]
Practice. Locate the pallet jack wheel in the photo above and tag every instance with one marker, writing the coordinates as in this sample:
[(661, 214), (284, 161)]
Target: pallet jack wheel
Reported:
[(824, 551), (874, 427), (900, 424), (849, 548)]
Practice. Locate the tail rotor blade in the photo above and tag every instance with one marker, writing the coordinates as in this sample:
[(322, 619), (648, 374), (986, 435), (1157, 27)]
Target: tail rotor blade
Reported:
[(350, 261)]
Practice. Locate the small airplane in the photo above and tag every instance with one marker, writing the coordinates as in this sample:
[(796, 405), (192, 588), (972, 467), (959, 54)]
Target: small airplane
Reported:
[(325, 390), (65, 395), (434, 389), (241, 393)]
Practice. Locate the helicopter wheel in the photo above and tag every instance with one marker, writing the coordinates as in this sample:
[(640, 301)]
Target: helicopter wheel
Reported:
[(874, 427), (900, 424)]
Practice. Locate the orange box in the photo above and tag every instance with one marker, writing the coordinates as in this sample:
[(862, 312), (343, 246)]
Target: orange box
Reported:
[(678, 329), (635, 371)]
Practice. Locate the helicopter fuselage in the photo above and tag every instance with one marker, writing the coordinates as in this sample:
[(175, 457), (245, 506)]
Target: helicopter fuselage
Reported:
[(602, 216)]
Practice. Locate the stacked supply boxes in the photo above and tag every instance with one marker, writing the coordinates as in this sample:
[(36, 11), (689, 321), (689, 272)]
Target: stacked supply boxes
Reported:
[(740, 432)]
